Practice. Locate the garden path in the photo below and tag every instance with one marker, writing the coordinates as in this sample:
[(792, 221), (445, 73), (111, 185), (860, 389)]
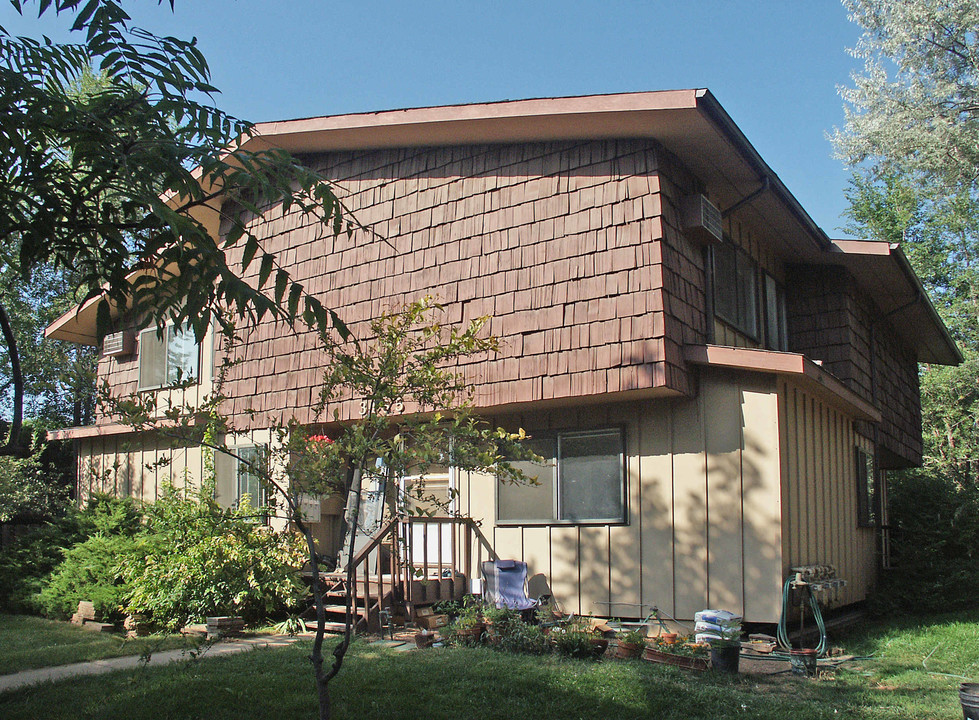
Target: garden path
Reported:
[(98, 667)]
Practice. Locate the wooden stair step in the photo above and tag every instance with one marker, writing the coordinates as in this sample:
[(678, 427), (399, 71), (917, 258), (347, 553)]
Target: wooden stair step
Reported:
[(330, 627), (342, 609)]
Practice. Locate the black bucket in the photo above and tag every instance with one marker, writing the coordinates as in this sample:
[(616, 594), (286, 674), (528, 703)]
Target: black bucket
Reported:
[(724, 658), (969, 697)]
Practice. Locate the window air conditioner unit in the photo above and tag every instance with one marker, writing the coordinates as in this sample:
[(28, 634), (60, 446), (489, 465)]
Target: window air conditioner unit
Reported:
[(701, 219), (118, 344)]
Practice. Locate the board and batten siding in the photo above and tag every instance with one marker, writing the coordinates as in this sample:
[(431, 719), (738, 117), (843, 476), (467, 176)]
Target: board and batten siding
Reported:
[(703, 522), (136, 466), (819, 491)]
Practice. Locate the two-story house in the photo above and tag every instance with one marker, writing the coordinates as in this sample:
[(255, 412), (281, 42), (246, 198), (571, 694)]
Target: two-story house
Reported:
[(721, 387)]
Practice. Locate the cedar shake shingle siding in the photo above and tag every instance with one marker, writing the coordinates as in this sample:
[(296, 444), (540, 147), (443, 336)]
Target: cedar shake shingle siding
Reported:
[(832, 320), (560, 244)]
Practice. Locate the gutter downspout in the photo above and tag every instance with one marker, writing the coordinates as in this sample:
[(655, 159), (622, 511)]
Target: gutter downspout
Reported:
[(708, 104)]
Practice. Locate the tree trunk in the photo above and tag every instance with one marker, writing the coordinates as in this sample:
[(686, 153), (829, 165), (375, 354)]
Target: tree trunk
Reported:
[(323, 679), (13, 445)]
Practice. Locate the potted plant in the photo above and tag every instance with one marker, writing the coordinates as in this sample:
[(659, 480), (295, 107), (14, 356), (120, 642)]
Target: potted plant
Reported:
[(684, 654), (630, 644), (468, 628), (725, 654), (575, 639)]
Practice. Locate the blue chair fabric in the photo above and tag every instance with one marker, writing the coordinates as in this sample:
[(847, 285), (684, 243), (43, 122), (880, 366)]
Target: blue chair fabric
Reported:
[(505, 583)]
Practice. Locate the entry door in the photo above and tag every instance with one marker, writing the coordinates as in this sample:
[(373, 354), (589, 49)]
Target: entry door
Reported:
[(431, 540)]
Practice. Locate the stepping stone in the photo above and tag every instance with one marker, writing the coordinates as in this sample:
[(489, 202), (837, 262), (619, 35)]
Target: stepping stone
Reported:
[(99, 627)]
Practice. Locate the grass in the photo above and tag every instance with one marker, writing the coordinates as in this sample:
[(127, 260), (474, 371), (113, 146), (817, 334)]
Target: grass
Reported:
[(478, 682), (30, 642)]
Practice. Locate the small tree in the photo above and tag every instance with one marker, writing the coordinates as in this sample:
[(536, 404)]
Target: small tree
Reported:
[(417, 412), (122, 182)]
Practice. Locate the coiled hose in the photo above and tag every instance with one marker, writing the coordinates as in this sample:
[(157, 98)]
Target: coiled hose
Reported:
[(783, 633)]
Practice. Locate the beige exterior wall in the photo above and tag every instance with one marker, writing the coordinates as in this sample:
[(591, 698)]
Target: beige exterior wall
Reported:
[(141, 465), (711, 482), (820, 493), (704, 517), (136, 466)]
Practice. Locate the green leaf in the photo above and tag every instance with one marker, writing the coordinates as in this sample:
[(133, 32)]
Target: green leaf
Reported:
[(265, 269), (281, 282), (251, 247)]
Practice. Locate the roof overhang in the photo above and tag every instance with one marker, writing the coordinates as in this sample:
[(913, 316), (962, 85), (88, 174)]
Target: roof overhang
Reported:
[(883, 271), (79, 324), (799, 368), (90, 431), (689, 123)]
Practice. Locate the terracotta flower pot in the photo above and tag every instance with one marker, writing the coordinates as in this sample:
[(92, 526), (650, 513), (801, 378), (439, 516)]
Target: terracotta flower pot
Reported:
[(472, 634), (670, 638), (690, 663), (627, 650)]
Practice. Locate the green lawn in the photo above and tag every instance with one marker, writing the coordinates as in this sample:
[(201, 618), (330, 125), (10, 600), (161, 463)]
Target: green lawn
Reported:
[(30, 642), (462, 682)]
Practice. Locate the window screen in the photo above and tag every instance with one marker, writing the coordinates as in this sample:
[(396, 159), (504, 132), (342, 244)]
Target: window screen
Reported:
[(735, 287)]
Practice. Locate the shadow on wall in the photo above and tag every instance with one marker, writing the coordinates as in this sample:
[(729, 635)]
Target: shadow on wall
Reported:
[(704, 529)]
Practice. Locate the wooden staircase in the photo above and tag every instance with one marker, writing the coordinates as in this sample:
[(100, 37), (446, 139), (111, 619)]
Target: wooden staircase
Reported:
[(388, 568), (366, 613)]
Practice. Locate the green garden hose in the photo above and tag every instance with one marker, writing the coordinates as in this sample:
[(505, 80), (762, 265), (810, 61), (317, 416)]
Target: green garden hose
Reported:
[(783, 633)]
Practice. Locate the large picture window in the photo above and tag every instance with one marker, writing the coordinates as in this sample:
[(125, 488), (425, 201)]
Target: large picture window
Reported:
[(581, 481), (173, 358), (736, 288)]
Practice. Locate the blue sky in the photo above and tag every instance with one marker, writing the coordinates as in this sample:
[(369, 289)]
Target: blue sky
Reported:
[(774, 66)]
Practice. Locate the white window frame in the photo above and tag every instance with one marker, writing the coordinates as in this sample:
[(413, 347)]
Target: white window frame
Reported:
[(150, 336)]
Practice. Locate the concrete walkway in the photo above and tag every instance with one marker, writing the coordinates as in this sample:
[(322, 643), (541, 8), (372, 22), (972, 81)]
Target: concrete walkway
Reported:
[(98, 667)]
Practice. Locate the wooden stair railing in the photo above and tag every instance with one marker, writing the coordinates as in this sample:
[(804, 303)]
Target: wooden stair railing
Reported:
[(383, 569)]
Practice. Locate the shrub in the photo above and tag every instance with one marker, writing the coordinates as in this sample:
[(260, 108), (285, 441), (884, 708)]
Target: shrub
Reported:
[(574, 640), (26, 564), (90, 571), (935, 544), (521, 637), (36, 488), (197, 560)]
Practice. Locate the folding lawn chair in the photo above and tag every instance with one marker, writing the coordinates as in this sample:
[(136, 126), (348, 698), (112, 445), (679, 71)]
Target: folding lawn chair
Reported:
[(504, 585)]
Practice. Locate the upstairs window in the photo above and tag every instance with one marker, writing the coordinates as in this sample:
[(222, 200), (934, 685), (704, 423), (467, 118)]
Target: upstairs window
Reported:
[(776, 326), (581, 481), (736, 288), (173, 358)]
